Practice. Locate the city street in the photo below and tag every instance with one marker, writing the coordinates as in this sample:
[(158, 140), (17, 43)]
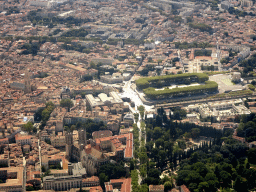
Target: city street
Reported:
[(130, 93)]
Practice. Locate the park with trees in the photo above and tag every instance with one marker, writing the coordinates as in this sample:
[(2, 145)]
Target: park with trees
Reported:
[(221, 164), (201, 27), (247, 127), (67, 103), (89, 125), (28, 127), (43, 114), (248, 66)]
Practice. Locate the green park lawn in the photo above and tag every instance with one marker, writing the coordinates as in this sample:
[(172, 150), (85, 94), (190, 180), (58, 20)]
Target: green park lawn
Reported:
[(227, 82)]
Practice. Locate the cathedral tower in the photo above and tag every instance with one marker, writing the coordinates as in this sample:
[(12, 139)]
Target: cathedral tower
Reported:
[(82, 138), (69, 144)]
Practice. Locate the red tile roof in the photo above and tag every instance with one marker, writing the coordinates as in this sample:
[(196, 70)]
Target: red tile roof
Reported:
[(156, 187), (184, 188), (125, 184)]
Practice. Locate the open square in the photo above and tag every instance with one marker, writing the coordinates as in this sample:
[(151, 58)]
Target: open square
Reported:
[(225, 84)]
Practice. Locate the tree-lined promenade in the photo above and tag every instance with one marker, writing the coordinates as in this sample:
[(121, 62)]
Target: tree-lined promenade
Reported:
[(149, 85)]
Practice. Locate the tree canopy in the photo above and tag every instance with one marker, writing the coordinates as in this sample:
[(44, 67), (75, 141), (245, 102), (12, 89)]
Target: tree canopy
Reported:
[(66, 103)]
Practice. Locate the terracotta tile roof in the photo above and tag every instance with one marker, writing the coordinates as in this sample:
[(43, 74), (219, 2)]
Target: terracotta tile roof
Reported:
[(125, 184), (109, 188), (96, 189), (184, 188), (93, 178), (156, 188)]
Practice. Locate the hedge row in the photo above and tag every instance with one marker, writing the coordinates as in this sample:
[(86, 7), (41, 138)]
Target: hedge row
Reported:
[(161, 81), (251, 87), (209, 86), (232, 94)]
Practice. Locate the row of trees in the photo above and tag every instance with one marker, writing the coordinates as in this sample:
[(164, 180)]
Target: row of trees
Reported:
[(239, 13), (135, 186), (251, 87), (161, 81), (203, 52), (41, 39), (176, 113), (43, 114), (186, 45), (152, 93), (136, 142), (36, 19), (129, 41), (75, 33), (201, 27), (55, 32), (147, 169)]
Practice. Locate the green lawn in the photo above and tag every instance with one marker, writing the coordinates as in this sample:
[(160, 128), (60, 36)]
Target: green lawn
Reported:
[(227, 82)]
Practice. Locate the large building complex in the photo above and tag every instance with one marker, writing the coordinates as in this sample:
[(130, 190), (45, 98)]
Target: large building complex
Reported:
[(75, 178), (218, 110), (102, 150), (103, 99), (13, 178), (115, 78)]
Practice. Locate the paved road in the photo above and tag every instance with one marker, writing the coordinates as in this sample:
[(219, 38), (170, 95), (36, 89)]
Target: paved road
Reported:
[(130, 93)]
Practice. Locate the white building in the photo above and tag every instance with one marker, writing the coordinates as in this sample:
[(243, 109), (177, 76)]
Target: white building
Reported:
[(219, 109), (115, 78), (103, 99)]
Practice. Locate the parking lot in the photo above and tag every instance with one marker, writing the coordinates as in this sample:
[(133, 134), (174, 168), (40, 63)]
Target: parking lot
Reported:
[(224, 82)]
